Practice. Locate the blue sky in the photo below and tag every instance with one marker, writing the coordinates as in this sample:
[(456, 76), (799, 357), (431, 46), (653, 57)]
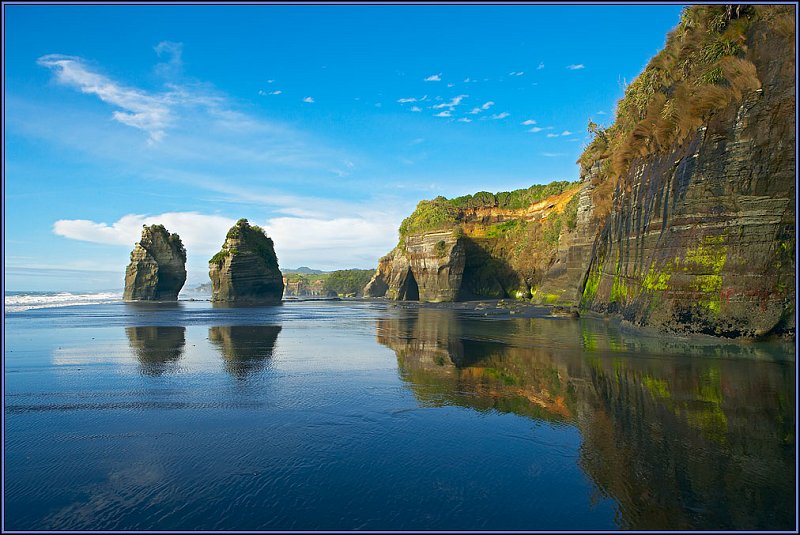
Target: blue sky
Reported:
[(324, 124)]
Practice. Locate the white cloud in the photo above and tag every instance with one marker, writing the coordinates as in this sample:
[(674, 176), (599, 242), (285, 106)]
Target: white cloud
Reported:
[(552, 135), (601, 113), (404, 100), (443, 114), (309, 100), (201, 234), (501, 115), (139, 110), (566, 133), (540, 67), (487, 105), (270, 81), (575, 66), (324, 242), (416, 108), (465, 120), (452, 104), (451, 85), (174, 63), (434, 78), (475, 111), (516, 73), (552, 154), (535, 129), (529, 122), (467, 80), (276, 92)]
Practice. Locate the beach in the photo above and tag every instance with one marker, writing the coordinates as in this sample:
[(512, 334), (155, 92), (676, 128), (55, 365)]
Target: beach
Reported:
[(365, 414)]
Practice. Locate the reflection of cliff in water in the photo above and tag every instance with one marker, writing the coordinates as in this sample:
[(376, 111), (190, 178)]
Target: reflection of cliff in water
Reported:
[(678, 442), (158, 349), (245, 348)]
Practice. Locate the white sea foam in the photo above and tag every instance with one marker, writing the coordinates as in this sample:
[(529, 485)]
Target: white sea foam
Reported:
[(19, 302)]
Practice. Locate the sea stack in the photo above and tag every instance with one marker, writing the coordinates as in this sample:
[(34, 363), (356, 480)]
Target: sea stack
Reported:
[(158, 266), (246, 270)]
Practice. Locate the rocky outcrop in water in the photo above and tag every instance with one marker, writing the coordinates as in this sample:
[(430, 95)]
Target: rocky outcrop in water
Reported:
[(246, 270), (158, 267)]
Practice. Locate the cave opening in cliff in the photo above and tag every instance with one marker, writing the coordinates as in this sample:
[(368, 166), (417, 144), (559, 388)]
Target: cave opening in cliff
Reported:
[(410, 289)]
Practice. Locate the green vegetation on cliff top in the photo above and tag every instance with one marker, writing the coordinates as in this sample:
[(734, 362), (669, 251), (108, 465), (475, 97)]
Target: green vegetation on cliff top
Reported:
[(703, 68), (442, 213), (252, 238)]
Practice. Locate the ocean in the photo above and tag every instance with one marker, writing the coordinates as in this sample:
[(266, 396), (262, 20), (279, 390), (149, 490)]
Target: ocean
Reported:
[(362, 414)]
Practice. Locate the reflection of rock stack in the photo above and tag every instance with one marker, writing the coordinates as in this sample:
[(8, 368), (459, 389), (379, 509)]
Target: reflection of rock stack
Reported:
[(156, 347), (245, 348)]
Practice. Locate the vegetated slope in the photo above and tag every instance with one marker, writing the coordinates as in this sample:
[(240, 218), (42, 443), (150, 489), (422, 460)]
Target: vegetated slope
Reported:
[(684, 219)]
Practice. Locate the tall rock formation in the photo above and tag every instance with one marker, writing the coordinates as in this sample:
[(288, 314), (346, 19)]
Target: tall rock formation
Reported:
[(246, 270), (700, 235), (158, 266), (684, 220)]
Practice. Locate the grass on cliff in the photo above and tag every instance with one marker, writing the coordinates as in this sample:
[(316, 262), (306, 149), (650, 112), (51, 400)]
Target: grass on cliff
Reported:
[(442, 213), (702, 69), (254, 238)]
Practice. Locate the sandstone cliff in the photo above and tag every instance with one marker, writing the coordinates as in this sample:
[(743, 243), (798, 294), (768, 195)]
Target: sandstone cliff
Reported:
[(246, 269), (684, 219), (158, 267)]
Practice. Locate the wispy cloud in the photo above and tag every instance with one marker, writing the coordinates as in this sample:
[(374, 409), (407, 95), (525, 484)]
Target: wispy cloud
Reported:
[(445, 113), (452, 104), (501, 115), (416, 108), (485, 106), (451, 85), (552, 135), (150, 113), (553, 154), (404, 100), (434, 78), (465, 120), (575, 66), (467, 80), (529, 122), (516, 73), (276, 92), (566, 133), (308, 100), (540, 67), (601, 113), (173, 53), (535, 129)]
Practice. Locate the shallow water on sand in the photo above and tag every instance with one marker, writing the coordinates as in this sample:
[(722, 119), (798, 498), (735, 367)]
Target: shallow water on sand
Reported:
[(363, 415)]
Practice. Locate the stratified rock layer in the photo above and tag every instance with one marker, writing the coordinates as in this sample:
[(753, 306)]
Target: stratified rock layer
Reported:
[(699, 237), (158, 267), (702, 239), (246, 269)]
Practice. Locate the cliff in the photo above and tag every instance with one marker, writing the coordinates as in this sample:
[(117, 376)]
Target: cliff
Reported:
[(684, 219), (700, 233), (246, 269), (493, 245), (158, 267)]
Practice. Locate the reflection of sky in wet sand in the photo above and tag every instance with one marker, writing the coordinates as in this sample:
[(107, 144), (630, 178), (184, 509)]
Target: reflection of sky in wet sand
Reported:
[(512, 423)]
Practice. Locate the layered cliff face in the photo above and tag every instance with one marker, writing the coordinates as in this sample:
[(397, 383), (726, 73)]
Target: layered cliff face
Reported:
[(700, 236), (158, 267), (685, 218), (246, 269), (487, 245)]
